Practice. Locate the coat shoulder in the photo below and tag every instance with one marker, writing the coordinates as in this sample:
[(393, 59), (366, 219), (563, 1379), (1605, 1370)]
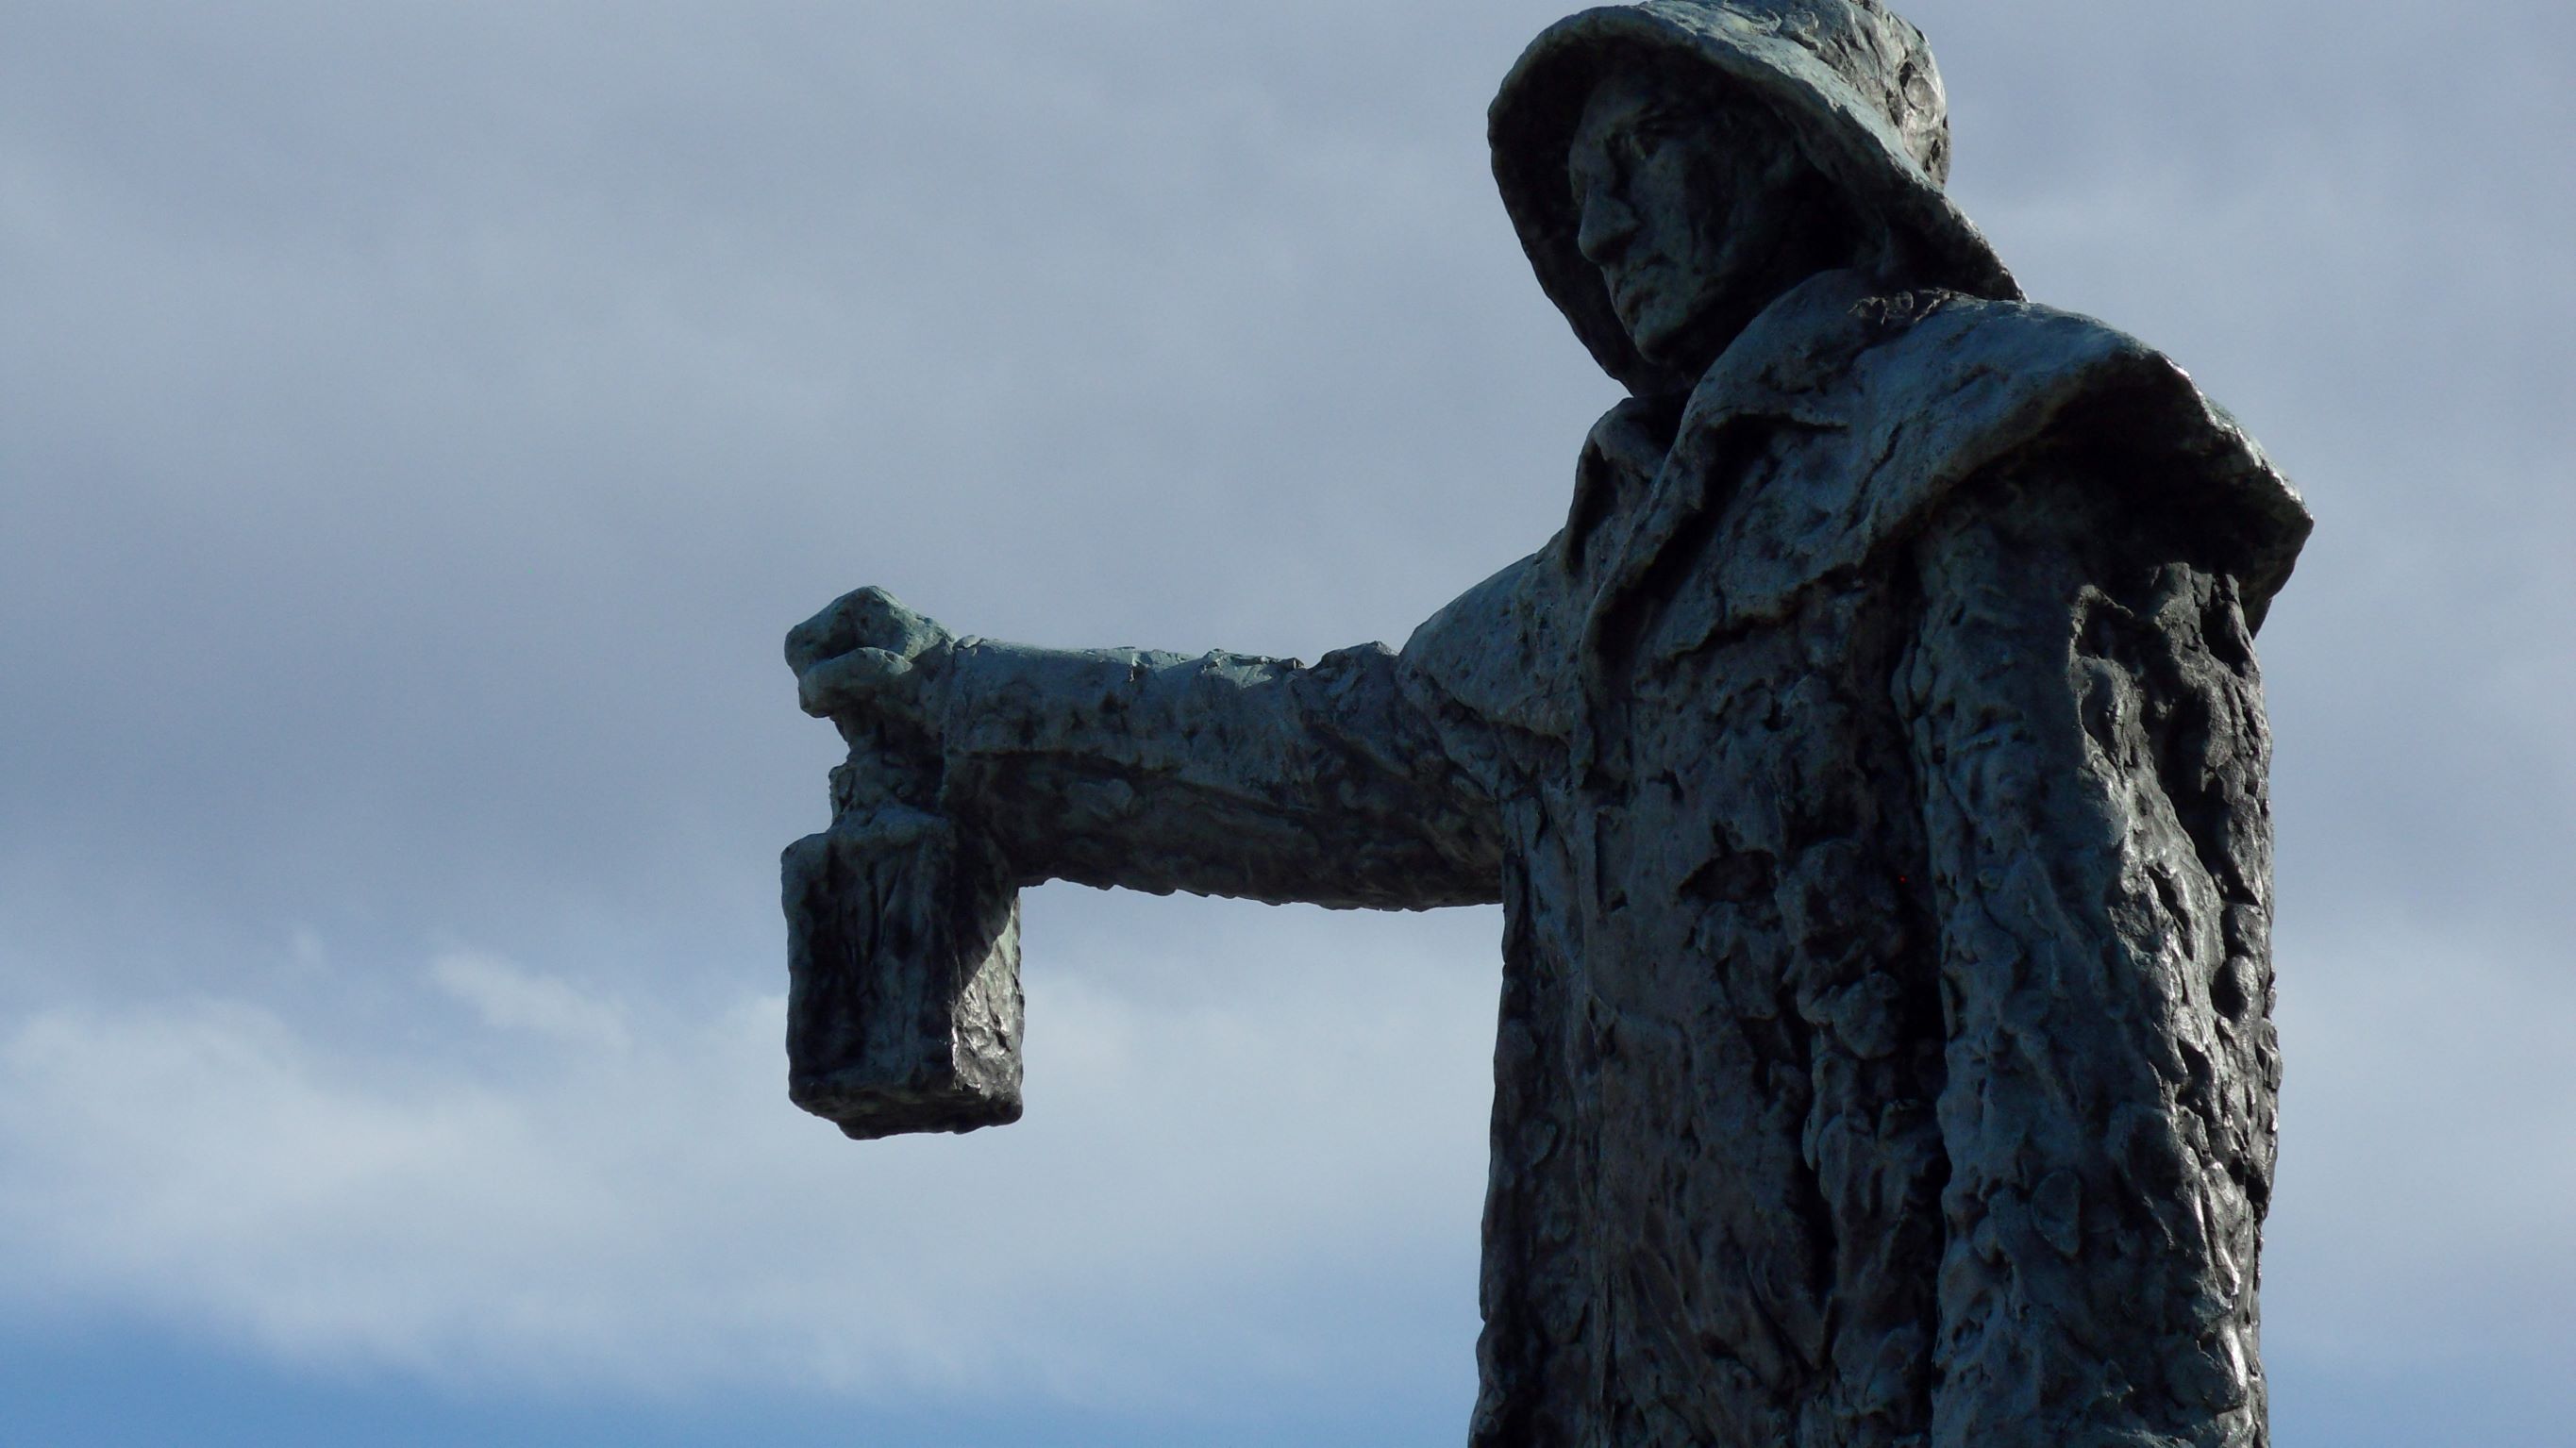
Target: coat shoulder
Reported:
[(1502, 651), (1942, 390)]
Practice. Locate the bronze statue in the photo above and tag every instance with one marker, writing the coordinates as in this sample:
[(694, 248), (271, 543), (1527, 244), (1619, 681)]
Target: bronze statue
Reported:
[(1872, 773)]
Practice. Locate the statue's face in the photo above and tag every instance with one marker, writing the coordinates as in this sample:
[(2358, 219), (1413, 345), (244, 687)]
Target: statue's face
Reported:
[(1698, 215)]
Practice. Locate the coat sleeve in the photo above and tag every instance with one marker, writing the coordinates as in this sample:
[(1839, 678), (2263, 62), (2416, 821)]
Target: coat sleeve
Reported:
[(2087, 725), (1337, 784)]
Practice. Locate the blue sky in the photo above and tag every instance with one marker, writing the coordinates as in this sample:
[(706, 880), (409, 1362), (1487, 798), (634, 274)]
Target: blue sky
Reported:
[(418, 424)]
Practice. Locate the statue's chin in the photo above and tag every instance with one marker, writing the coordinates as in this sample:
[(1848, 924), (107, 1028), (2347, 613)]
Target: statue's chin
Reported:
[(1684, 333), (1686, 346), (1658, 336), (1660, 351), (1687, 339)]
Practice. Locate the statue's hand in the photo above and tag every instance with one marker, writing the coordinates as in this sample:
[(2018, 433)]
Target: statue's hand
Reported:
[(868, 656)]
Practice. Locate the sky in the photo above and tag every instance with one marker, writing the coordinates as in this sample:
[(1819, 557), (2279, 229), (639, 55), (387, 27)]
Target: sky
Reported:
[(419, 423)]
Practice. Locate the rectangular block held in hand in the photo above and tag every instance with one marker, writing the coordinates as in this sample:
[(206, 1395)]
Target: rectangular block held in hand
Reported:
[(903, 960)]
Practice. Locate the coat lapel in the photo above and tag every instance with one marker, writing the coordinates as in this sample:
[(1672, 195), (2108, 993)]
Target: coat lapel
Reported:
[(1779, 372)]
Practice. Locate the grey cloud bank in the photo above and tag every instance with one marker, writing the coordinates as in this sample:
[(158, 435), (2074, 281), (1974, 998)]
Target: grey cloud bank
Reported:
[(416, 426)]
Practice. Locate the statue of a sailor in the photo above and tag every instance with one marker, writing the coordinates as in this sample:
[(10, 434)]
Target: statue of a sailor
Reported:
[(1872, 773)]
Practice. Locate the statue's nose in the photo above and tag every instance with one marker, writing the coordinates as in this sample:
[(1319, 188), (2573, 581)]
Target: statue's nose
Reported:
[(1603, 230)]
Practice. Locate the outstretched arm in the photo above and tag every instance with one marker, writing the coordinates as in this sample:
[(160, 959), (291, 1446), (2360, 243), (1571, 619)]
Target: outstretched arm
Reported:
[(2089, 733), (1223, 774)]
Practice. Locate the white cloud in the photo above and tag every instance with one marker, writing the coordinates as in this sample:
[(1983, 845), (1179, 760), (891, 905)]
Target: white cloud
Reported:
[(1209, 1176), (511, 999)]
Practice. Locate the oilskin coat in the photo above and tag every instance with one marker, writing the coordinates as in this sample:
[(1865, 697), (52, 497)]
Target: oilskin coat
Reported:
[(1873, 777)]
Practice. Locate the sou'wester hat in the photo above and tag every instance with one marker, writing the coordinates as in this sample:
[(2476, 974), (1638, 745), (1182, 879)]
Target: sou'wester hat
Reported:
[(1853, 80)]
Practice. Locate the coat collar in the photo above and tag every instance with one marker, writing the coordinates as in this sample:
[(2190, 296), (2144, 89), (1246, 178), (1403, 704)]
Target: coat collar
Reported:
[(1783, 366)]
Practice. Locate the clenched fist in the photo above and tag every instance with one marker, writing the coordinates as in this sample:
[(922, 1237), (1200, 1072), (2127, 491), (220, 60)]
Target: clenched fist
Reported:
[(868, 657)]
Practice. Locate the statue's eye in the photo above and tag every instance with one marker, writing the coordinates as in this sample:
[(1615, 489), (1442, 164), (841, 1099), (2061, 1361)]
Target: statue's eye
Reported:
[(1584, 174), (1653, 134)]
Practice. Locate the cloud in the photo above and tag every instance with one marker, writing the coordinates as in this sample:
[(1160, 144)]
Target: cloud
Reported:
[(608, 1194), (510, 999)]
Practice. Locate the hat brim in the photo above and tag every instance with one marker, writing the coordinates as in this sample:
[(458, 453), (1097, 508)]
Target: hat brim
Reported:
[(1533, 118)]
